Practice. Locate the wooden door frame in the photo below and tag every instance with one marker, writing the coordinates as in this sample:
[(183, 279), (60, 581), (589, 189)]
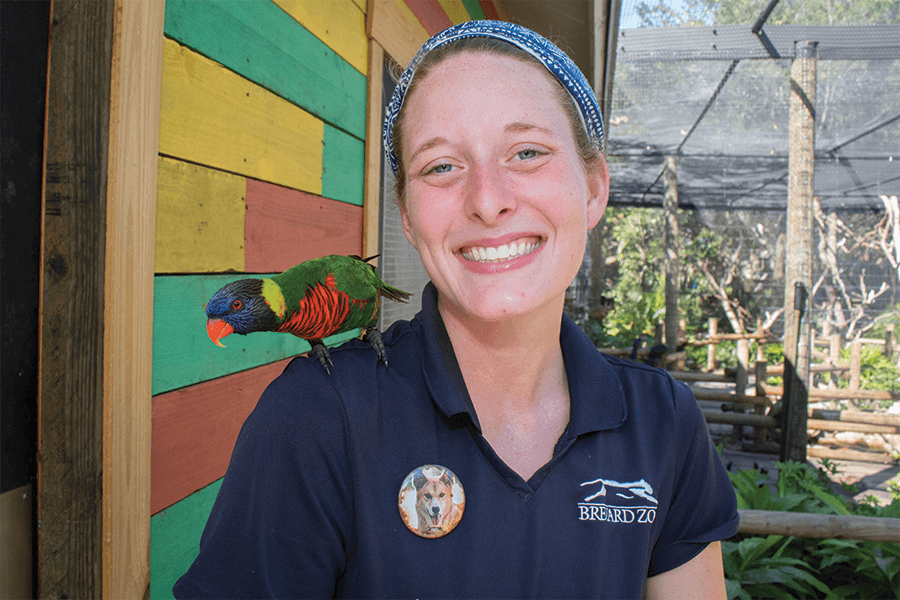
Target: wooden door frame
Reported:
[(96, 324)]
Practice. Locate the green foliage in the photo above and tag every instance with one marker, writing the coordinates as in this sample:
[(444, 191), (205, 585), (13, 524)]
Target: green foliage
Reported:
[(877, 371), (758, 567), (779, 567), (889, 317), (639, 292)]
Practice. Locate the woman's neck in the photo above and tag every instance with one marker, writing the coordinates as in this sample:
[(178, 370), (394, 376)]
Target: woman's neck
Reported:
[(513, 355), (515, 375)]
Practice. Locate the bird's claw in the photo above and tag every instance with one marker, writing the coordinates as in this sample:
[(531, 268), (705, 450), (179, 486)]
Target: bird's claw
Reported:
[(321, 352), (373, 336)]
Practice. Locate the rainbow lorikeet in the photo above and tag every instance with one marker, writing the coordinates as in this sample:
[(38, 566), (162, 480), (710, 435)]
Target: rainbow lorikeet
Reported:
[(313, 300)]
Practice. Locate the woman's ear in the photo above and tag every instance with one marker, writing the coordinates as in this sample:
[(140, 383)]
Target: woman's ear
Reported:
[(407, 227), (598, 188)]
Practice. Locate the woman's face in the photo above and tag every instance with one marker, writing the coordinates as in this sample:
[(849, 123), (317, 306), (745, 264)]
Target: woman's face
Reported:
[(498, 203)]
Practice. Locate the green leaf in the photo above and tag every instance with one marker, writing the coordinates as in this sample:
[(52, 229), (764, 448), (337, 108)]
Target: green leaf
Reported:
[(733, 590)]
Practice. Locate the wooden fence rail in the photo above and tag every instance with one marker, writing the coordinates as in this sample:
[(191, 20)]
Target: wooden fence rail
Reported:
[(762, 522), (808, 525), (751, 401)]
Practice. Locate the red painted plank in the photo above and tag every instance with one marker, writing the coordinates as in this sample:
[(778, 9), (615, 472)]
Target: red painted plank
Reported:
[(194, 430), (430, 14), (489, 10), (284, 227)]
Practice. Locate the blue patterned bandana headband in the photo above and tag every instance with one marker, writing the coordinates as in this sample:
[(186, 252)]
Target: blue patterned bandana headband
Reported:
[(554, 59)]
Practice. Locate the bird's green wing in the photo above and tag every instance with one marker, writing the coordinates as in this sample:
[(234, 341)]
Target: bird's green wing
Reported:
[(356, 278)]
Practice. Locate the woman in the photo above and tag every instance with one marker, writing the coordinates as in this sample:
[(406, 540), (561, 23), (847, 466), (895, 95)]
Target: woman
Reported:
[(500, 455)]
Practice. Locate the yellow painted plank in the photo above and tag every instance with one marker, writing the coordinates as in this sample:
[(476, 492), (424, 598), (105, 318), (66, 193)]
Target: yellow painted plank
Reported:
[(199, 219), (396, 29), (455, 10), (338, 23), (362, 4), (214, 117)]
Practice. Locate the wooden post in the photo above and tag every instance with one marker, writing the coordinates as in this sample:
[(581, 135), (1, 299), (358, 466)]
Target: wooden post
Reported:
[(761, 379), (798, 266), (855, 364), (99, 202), (372, 179), (760, 344), (889, 341), (134, 115), (740, 377), (711, 347), (604, 35), (834, 357), (70, 404), (670, 209)]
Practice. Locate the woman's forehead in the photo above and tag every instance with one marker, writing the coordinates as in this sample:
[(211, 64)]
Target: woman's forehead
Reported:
[(470, 77), (585, 108)]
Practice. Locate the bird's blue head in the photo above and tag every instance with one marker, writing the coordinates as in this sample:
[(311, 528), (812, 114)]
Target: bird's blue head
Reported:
[(239, 307)]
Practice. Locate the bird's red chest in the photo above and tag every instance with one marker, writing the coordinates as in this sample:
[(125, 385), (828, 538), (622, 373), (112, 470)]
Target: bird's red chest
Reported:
[(325, 311)]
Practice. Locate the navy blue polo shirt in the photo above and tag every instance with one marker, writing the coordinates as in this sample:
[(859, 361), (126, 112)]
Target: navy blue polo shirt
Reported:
[(309, 505)]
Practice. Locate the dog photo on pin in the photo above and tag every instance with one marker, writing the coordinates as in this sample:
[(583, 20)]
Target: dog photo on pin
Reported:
[(431, 501)]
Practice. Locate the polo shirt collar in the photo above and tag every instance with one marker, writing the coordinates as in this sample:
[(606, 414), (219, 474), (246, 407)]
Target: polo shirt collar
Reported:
[(597, 398)]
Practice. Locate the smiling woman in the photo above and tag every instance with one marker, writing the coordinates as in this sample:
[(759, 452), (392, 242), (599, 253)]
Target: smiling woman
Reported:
[(351, 486)]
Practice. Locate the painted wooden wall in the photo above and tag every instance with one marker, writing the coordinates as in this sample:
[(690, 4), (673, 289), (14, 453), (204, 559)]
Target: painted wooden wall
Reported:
[(261, 166)]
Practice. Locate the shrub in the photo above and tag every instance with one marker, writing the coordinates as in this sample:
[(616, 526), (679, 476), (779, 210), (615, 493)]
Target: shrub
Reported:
[(786, 567)]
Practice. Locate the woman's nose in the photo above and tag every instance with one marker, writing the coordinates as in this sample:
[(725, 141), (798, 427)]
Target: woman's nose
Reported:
[(489, 196)]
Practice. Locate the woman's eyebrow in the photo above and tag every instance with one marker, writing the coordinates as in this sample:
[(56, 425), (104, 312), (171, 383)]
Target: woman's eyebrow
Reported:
[(435, 141), (518, 126)]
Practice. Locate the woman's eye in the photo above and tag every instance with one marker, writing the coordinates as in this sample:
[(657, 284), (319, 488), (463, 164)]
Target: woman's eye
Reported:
[(444, 168), (526, 154)]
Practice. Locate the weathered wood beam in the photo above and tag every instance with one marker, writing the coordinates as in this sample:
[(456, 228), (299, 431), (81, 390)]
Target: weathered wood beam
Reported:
[(807, 525), (70, 462)]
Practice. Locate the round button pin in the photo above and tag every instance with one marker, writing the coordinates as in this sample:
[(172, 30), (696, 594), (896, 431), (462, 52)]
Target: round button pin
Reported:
[(431, 501)]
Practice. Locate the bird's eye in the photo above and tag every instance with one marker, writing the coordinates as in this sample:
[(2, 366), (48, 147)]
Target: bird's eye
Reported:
[(236, 305)]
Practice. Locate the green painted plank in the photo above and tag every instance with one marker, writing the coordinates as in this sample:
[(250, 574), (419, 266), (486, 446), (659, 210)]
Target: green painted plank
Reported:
[(175, 539), (183, 353), (261, 42), (343, 166), (474, 10)]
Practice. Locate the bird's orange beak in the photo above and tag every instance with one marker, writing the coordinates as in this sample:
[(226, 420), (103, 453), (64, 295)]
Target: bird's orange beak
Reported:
[(217, 329)]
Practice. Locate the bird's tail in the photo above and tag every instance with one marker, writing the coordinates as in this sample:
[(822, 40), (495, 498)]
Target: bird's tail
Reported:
[(395, 294)]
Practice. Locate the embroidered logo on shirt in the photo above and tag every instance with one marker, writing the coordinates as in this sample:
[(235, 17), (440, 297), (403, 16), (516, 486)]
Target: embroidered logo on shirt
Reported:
[(616, 502)]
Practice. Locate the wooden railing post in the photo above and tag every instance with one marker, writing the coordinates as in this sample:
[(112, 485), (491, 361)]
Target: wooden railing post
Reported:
[(761, 379), (855, 363), (711, 348), (740, 376), (834, 357)]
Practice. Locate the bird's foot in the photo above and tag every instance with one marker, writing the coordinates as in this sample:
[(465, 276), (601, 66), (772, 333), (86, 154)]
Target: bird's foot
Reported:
[(373, 336), (321, 352)]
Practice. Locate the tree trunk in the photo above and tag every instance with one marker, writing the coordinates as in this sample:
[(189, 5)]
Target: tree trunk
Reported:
[(798, 266)]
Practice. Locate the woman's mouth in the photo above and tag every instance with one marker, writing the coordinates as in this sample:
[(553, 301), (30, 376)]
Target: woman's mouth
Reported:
[(494, 254)]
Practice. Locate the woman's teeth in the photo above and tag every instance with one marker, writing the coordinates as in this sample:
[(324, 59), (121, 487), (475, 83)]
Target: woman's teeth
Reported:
[(481, 254)]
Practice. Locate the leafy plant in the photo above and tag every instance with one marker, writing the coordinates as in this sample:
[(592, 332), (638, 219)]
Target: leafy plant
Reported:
[(779, 567), (760, 567)]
